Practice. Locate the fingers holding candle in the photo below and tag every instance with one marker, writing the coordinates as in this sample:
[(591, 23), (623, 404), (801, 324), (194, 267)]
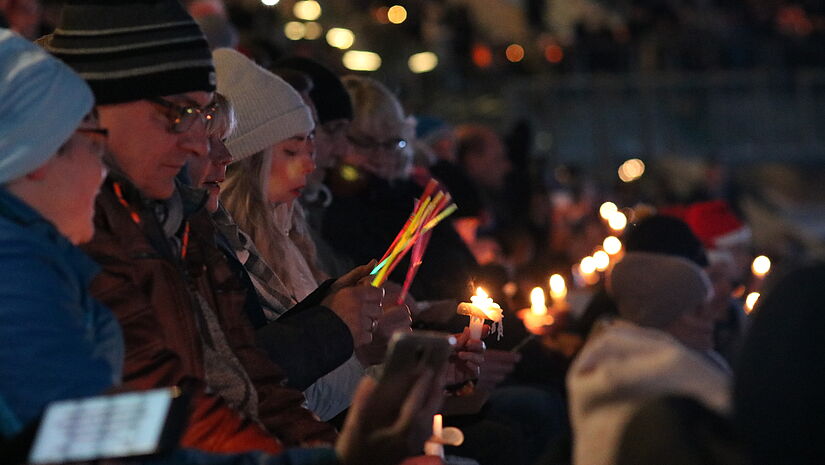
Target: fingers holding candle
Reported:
[(482, 307)]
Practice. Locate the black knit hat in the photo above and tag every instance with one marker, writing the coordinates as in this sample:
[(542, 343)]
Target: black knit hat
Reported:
[(130, 50), (665, 235), (331, 100)]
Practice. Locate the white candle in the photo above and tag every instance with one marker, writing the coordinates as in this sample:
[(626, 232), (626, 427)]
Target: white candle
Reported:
[(435, 447), (476, 325), (481, 307)]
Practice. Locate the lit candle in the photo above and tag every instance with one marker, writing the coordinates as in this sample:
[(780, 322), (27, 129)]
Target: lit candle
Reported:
[(601, 260), (612, 245), (536, 317), (435, 445), (617, 221), (537, 302), (481, 307), (761, 266), (558, 291), (607, 209), (750, 301), (587, 270)]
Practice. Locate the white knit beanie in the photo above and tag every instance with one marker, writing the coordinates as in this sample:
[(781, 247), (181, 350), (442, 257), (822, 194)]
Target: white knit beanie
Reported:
[(268, 109), (42, 102), (653, 289)]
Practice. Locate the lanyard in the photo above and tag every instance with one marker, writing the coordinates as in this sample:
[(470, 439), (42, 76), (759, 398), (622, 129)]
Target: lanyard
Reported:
[(137, 220)]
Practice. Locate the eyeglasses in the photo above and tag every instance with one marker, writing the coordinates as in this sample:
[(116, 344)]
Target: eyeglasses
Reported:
[(96, 138), (99, 131), (368, 143), (183, 117)]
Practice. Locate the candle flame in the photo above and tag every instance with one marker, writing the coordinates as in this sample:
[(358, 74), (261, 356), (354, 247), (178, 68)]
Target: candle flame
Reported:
[(612, 245), (607, 209), (558, 288), (481, 293), (537, 301), (750, 301), (588, 265), (602, 260), (761, 265), (617, 221)]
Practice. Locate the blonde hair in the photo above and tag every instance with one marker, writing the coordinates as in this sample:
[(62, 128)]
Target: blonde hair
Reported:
[(243, 194), (224, 122), (245, 197)]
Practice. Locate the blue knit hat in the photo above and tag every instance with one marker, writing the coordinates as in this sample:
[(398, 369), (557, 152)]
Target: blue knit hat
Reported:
[(42, 101)]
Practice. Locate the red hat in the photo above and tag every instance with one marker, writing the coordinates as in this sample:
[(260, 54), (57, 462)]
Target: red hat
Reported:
[(714, 223)]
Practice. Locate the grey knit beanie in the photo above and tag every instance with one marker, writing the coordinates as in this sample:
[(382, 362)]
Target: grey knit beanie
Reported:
[(267, 108), (652, 289)]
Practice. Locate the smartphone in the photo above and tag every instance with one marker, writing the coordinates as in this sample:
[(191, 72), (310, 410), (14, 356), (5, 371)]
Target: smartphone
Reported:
[(132, 424), (411, 351)]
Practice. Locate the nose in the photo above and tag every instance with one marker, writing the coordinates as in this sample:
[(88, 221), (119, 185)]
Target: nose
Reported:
[(195, 140), (309, 164)]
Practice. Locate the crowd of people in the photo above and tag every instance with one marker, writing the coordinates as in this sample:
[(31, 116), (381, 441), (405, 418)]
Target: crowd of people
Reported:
[(174, 214)]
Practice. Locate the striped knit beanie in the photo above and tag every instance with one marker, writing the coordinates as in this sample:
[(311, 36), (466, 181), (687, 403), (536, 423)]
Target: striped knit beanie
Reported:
[(130, 50)]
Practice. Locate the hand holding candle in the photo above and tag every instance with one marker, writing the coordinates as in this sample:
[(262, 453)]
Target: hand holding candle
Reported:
[(482, 307)]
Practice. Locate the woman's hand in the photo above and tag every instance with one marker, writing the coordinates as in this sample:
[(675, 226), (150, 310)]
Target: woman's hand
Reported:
[(465, 363), (389, 421), (393, 319)]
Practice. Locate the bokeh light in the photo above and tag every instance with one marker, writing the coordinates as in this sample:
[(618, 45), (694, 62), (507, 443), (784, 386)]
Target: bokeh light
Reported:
[(612, 245), (313, 31), (761, 265), (750, 301), (602, 260), (553, 53), (308, 10), (294, 30), (423, 62), (360, 60), (588, 265), (482, 56), (607, 209), (340, 37), (631, 170), (397, 14), (514, 53), (617, 221)]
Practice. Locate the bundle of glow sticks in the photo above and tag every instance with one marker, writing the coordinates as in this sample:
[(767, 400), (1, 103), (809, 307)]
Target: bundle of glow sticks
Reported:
[(431, 208)]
